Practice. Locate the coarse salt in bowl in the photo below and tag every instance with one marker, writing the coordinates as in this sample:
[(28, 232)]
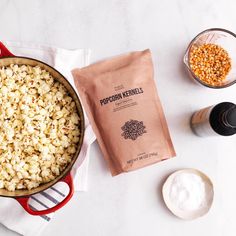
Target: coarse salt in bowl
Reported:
[(188, 193)]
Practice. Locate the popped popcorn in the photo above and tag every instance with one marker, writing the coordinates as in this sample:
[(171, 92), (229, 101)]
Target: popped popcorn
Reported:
[(39, 127)]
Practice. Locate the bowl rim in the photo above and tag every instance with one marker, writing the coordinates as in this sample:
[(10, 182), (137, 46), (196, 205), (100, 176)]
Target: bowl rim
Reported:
[(187, 55)]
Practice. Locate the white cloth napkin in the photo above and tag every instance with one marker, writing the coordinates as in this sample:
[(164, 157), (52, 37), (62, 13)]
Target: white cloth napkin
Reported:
[(12, 215)]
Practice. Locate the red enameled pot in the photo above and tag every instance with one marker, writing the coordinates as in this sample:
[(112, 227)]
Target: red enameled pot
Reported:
[(23, 196)]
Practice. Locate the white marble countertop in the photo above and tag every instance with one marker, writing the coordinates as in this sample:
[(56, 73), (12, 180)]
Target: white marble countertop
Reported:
[(131, 204)]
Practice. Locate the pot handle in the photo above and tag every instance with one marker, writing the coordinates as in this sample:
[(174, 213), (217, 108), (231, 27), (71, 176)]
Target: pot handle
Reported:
[(4, 52), (24, 201)]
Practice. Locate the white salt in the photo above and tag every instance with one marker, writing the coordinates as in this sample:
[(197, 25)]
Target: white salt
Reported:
[(188, 192)]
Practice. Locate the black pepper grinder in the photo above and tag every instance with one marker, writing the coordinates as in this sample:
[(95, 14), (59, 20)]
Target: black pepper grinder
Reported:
[(215, 120)]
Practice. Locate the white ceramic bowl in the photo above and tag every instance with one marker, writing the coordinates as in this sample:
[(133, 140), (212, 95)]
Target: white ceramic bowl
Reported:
[(183, 214)]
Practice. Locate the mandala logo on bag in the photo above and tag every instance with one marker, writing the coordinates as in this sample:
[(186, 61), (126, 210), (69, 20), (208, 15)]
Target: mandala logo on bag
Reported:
[(132, 129)]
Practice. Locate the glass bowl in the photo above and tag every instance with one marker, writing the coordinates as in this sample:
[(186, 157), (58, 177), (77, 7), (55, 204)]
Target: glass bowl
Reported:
[(223, 38)]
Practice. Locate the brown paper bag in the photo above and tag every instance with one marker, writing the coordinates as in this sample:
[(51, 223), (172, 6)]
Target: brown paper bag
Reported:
[(121, 101)]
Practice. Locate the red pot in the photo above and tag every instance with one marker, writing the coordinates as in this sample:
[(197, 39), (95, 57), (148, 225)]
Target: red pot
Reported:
[(23, 196)]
